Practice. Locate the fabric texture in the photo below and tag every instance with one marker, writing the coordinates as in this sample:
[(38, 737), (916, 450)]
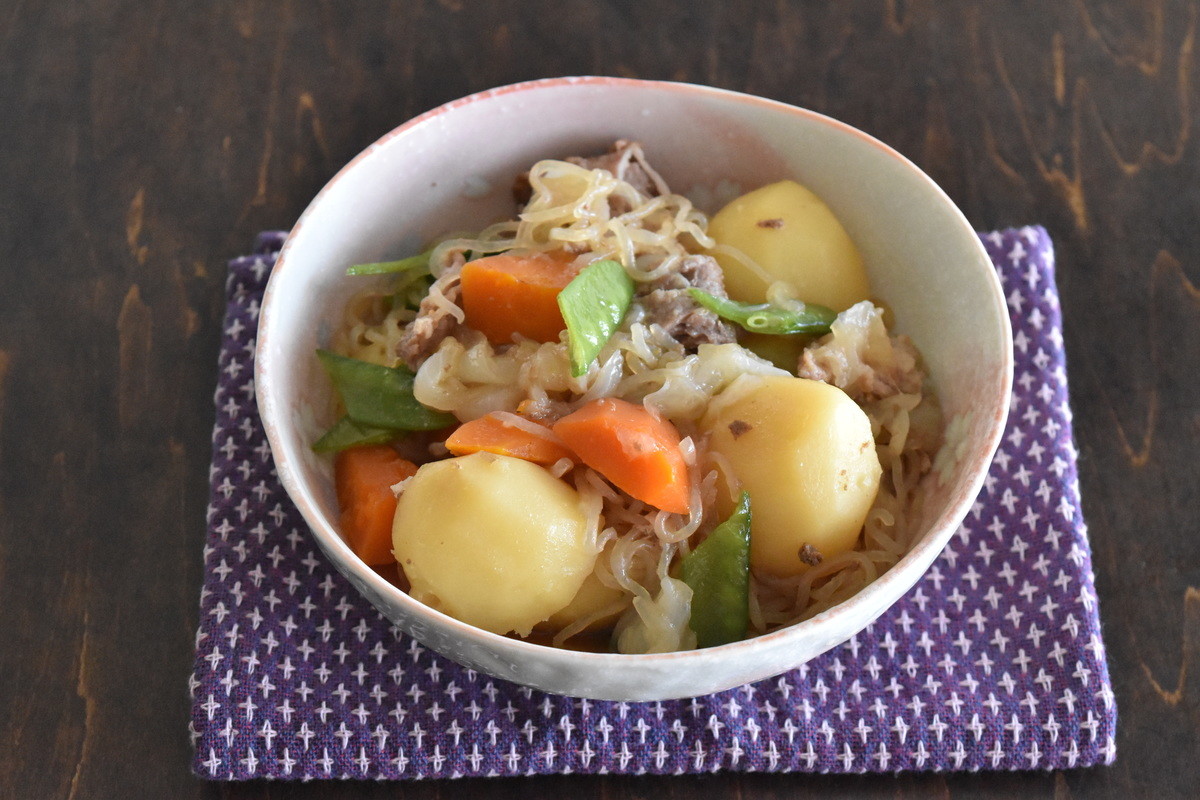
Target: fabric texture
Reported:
[(994, 660)]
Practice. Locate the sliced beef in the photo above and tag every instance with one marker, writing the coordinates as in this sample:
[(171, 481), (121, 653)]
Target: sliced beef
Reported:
[(522, 190), (696, 272), (869, 380), (625, 161), (435, 317), (861, 358), (667, 303)]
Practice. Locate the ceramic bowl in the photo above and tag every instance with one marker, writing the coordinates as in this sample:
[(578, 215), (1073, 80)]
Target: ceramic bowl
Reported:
[(452, 169)]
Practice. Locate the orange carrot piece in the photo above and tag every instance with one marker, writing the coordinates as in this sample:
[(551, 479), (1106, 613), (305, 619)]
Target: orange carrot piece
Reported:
[(510, 293), (363, 477), (632, 448), (492, 434)]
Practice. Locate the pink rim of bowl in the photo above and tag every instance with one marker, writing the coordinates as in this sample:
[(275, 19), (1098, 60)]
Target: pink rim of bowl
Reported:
[(672, 119)]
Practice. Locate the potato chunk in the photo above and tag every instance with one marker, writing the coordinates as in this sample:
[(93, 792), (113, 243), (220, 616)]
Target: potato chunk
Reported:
[(494, 541), (794, 237), (594, 602), (804, 452)]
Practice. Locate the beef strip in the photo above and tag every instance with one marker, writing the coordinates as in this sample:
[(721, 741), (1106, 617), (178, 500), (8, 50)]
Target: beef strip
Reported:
[(434, 321), (522, 190), (873, 381), (625, 161), (667, 303)]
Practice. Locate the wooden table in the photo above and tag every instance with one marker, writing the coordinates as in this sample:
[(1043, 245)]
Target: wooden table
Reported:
[(145, 143)]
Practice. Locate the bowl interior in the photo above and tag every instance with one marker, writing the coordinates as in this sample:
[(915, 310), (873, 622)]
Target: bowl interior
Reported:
[(453, 168)]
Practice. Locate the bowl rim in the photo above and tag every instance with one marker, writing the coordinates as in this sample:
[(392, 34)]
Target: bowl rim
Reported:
[(921, 554)]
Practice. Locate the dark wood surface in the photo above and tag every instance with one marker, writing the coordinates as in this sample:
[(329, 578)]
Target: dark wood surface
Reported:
[(144, 143)]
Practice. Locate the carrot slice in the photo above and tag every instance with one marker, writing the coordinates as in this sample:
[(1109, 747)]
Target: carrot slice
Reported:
[(493, 434), (632, 448), (511, 293), (363, 477)]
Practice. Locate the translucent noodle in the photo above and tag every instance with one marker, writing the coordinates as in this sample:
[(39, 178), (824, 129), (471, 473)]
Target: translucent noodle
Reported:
[(372, 328), (571, 209)]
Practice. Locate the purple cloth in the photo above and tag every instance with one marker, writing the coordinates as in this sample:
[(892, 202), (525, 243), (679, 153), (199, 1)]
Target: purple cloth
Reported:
[(993, 661)]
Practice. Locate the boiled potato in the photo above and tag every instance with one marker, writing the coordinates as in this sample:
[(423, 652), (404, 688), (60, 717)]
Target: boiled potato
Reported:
[(793, 236), (804, 451), (592, 598), (494, 541)]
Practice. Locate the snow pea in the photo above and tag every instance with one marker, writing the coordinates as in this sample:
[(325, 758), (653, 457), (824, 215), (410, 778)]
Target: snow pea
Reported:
[(380, 397), (767, 318), (718, 572)]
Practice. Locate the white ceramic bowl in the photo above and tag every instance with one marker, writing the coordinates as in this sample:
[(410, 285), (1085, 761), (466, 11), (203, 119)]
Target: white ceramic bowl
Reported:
[(452, 169)]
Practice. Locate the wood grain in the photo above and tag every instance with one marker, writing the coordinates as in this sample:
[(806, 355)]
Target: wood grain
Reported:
[(147, 142)]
